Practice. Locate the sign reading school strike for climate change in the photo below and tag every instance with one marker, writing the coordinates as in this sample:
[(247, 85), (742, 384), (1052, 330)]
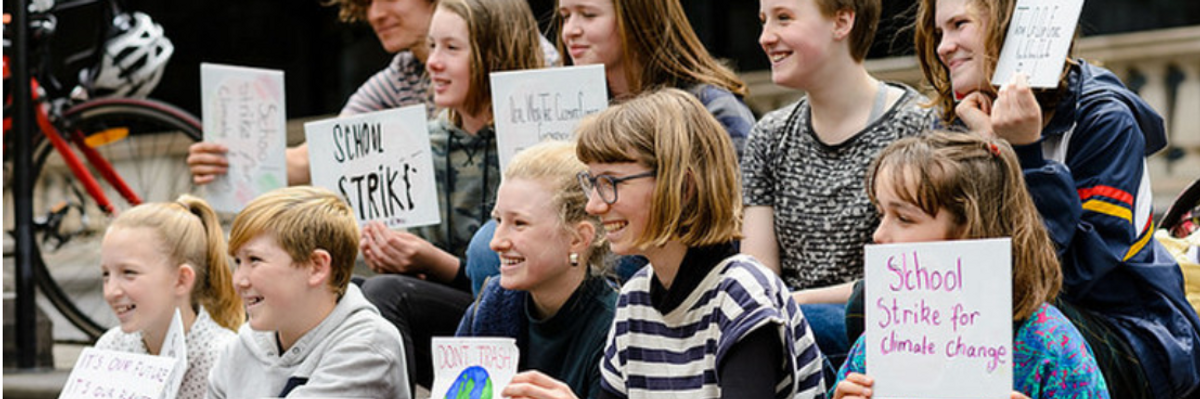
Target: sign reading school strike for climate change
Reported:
[(243, 110), (1037, 41), (472, 368), (532, 106), (939, 319), (381, 162), (103, 373)]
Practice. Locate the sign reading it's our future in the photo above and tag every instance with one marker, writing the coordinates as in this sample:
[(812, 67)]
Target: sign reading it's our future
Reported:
[(939, 319), (381, 162), (244, 111), (532, 106)]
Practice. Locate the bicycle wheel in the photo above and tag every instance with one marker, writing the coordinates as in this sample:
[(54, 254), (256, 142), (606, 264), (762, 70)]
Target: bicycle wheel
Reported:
[(146, 142)]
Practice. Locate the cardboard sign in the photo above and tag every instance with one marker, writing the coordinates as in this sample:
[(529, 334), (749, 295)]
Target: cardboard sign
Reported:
[(473, 368), (939, 319), (1037, 41), (243, 109), (103, 373), (532, 106), (381, 162)]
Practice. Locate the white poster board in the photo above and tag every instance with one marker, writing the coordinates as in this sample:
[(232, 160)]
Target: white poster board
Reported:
[(473, 367), (939, 319), (103, 373), (532, 106), (1037, 42), (243, 109), (381, 162)]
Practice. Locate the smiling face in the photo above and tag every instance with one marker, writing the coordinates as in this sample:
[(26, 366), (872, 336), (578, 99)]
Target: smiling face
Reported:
[(797, 39), (961, 47), (400, 24), (272, 285), (589, 33), (449, 63), (139, 280), (904, 221), (624, 220), (533, 244)]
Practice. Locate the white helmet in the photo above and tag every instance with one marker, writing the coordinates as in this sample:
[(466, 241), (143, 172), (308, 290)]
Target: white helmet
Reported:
[(133, 61)]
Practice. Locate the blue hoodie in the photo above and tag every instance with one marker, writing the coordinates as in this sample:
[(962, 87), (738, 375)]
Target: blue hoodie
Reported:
[(1097, 211)]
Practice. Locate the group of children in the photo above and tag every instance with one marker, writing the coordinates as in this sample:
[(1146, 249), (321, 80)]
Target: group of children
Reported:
[(753, 258)]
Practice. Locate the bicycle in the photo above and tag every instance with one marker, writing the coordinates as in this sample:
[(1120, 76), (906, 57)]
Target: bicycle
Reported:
[(134, 144)]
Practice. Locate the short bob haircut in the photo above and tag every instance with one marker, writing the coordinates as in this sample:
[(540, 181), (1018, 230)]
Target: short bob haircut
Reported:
[(303, 219), (698, 196), (504, 37), (980, 183)]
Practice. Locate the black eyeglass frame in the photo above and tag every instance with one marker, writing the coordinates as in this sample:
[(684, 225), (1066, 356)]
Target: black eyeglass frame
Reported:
[(588, 183)]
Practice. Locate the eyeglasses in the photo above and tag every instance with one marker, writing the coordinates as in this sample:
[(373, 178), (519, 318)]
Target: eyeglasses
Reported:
[(606, 185)]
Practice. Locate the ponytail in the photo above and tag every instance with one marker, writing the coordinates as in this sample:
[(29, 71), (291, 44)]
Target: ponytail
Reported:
[(214, 283)]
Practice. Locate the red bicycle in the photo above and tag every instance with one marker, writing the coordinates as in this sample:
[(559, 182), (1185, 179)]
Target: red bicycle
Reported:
[(133, 148)]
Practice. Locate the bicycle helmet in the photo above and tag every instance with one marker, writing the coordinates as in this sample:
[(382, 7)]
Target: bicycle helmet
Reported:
[(134, 58)]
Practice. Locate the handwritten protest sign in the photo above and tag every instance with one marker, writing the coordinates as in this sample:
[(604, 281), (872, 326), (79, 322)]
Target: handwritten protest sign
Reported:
[(473, 368), (381, 162), (103, 373), (1037, 41), (244, 110), (939, 319), (543, 104)]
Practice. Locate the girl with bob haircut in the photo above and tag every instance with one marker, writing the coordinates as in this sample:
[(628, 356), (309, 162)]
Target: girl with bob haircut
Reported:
[(662, 177), (423, 288), (1121, 287), (951, 186), (551, 295), (163, 256)]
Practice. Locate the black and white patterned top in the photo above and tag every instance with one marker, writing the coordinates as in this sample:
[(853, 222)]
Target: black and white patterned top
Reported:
[(823, 216)]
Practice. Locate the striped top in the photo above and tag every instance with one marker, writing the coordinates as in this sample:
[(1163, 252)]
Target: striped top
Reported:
[(655, 355)]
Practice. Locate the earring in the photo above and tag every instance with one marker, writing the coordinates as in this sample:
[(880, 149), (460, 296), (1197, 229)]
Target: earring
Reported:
[(574, 257)]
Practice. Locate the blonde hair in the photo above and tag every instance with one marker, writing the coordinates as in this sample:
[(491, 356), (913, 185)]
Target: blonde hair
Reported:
[(303, 219), (866, 22), (698, 196), (660, 48), (189, 232), (554, 164), (504, 36), (979, 181)]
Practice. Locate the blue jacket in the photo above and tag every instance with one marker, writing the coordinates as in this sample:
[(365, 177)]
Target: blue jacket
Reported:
[(1097, 211)]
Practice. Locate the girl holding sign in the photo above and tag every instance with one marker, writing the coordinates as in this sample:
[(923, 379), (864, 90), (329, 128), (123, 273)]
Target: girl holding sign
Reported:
[(549, 296), (662, 177), (159, 257), (949, 186), (423, 288), (1121, 287)]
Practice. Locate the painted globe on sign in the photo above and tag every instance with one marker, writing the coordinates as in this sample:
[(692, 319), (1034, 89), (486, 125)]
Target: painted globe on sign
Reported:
[(473, 383)]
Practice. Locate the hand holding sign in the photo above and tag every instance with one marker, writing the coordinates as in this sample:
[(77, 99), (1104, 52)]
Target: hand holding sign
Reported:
[(1013, 116), (1037, 41), (472, 368), (244, 113)]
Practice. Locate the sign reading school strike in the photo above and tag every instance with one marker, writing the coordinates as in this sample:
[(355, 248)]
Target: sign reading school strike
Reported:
[(1037, 42), (939, 319), (472, 368), (103, 373), (532, 106), (243, 110), (381, 162)]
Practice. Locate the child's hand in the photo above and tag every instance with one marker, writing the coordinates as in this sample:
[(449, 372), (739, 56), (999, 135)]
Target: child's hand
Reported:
[(1018, 395), (207, 161), (1016, 115), (535, 385), (389, 251), (975, 110), (855, 386)]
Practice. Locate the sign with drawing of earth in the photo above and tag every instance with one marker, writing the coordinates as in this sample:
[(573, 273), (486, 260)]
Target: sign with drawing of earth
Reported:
[(472, 368), (473, 383)]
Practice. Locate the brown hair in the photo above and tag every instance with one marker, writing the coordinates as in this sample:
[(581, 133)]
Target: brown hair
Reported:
[(979, 181), (866, 22), (504, 36), (303, 219), (661, 50), (698, 196), (554, 164), (189, 232), (354, 10)]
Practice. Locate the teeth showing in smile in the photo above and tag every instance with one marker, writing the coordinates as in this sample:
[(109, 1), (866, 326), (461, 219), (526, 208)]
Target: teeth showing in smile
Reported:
[(252, 300), (614, 226), (509, 261), (776, 57), (124, 308)]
